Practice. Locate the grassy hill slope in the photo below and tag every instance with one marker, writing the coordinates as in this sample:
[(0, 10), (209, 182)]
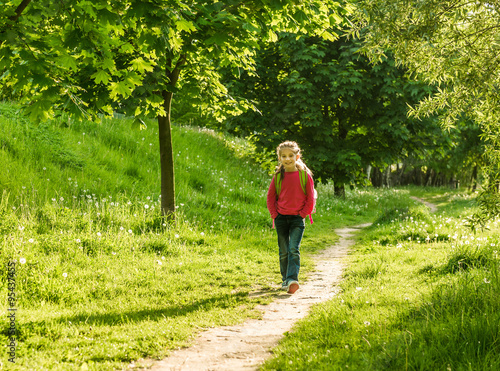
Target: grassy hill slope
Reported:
[(45, 162), (100, 280)]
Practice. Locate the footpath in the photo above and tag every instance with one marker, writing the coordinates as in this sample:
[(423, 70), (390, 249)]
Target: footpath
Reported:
[(248, 345)]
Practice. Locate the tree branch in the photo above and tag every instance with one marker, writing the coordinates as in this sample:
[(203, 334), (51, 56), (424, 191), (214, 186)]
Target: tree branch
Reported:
[(19, 10), (15, 17)]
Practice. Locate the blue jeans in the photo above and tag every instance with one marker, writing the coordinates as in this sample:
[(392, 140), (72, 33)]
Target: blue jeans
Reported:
[(290, 229)]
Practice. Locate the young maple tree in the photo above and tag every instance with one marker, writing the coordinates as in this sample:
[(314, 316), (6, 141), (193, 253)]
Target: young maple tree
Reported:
[(94, 58)]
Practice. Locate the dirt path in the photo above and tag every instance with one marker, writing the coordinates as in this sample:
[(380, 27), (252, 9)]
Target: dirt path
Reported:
[(428, 204), (246, 346)]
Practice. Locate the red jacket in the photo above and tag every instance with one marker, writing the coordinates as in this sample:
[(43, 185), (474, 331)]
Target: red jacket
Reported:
[(292, 200)]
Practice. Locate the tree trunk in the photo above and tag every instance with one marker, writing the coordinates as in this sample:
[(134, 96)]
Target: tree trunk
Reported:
[(339, 190), (376, 177), (401, 173), (167, 160), (368, 172), (474, 179), (418, 176), (387, 176), (429, 176), (165, 136)]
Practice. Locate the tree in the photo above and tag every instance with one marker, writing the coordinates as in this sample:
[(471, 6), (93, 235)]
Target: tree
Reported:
[(346, 113), (452, 43), (94, 58)]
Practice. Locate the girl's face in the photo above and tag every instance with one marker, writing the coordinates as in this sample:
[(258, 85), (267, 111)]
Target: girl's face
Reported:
[(288, 159)]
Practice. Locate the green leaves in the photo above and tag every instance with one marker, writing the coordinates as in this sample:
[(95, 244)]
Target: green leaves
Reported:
[(120, 88), (68, 62), (345, 113), (142, 66), (452, 44), (101, 76), (118, 55), (185, 25)]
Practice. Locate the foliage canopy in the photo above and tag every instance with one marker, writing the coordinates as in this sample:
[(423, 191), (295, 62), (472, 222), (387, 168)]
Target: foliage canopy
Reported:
[(454, 44), (94, 58), (345, 112)]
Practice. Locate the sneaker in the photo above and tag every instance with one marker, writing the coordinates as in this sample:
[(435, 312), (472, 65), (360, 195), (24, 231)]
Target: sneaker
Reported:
[(292, 287), (284, 286)]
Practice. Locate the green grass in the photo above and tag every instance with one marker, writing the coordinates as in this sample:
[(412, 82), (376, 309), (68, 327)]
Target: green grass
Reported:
[(420, 293), (101, 280)]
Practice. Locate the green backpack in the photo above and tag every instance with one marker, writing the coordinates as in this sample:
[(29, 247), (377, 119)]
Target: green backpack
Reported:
[(303, 184)]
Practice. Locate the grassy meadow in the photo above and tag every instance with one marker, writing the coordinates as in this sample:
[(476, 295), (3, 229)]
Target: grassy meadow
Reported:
[(100, 280), (420, 293)]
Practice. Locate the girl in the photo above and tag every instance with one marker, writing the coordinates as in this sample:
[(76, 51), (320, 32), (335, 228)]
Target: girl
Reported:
[(289, 201)]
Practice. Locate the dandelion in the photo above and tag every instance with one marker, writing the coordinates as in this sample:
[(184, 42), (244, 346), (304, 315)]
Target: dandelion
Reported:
[(99, 234), (65, 274), (21, 228), (113, 253), (177, 236), (130, 231), (367, 323), (159, 262), (146, 206), (121, 228), (22, 260), (77, 240), (359, 288), (31, 240), (202, 233)]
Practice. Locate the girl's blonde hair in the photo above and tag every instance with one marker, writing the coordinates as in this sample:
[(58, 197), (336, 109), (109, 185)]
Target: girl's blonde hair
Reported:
[(294, 147)]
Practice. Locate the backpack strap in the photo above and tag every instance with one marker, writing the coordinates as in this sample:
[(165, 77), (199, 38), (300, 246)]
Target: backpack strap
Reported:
[(303, 180), (277, 184)]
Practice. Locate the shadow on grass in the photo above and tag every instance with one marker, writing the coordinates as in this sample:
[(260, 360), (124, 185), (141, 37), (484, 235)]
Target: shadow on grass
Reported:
[(131, 316)]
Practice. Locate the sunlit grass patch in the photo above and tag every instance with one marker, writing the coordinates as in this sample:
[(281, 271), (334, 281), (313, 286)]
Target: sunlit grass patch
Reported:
[(408, 302)]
